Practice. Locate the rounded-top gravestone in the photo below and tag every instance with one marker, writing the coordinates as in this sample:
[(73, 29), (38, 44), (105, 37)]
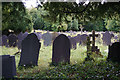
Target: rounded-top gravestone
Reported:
[(61, 50)]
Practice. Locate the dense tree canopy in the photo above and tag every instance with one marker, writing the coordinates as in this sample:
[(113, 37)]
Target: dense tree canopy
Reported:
[(15, 17)]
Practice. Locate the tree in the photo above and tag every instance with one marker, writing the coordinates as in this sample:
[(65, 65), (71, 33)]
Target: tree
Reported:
[(15, 17)]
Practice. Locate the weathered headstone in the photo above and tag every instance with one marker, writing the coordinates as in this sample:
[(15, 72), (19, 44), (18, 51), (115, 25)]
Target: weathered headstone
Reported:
[(20, 38), (24, 35), (38, 34), (114, 52), (61, 50), (54, 35), (107, 38), (47, 37), (12, 40), (8, 66), (73, 43), (4, 40), (30, 51), (83, 39)]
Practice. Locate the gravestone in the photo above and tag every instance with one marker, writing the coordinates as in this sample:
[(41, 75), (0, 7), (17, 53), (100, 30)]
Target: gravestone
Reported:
[(107, 38), (8, 66), (61, 50), (83, 39), (54, 35), (73, 43), (12, 40), (47, 37), (24, 35), (4, 40), (30, 51), (114, 52), (38, 34), (20, 38)]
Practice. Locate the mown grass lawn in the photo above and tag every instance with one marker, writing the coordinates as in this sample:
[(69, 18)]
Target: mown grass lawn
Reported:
[(98, 70)]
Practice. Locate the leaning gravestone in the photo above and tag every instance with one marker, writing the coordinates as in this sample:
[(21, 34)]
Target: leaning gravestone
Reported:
[(114, 52), (47, 37), (12, 40), (8, 66), (4, 40), (30, 51), (61, 50)]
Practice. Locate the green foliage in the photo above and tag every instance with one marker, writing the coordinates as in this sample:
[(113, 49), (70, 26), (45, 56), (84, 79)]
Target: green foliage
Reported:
[(75, 25), (14, 17)]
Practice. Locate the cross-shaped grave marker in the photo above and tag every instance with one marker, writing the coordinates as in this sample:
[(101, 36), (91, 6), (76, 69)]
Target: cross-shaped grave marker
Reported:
[(93, 35)]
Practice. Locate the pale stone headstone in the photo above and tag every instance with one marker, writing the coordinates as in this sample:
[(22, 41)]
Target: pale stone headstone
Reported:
[(47, 37)]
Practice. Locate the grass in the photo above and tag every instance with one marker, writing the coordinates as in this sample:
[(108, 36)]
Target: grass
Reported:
[(100, 69)]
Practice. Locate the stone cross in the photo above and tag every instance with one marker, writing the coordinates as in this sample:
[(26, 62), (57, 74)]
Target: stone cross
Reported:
[(93, 35)]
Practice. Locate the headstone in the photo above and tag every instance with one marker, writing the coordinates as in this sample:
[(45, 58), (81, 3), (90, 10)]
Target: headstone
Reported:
[(4, 40), (61, 50), (47, 37), (8, 66), (54, 35), (20, 38), (24, 35), (12, 40), (114, 52), (38, 34), (83, 39), (107, 38), (73, 43), (30, 51)]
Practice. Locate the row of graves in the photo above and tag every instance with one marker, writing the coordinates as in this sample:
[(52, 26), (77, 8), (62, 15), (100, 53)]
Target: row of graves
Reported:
[(15, 40), (61, 46)]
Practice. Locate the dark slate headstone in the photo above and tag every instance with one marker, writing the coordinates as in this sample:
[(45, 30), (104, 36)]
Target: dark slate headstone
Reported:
[(61, 50), (20, 37), (8, 66), (12, 40), (47, 37), (4, 40), (114, 52), (30, 51)]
